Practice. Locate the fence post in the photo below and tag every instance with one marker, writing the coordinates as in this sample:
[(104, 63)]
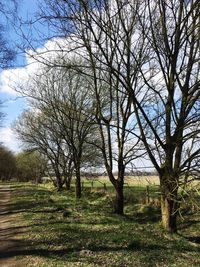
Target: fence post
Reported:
[(92, 184), (147, 195), (82, 185)]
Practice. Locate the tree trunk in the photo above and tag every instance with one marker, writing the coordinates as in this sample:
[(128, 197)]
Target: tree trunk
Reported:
[(38, 179), (169, 204), (59, 182), (119, 188), (68, 182), (78, 183), (119, 200), (169, 214), (68, 175)]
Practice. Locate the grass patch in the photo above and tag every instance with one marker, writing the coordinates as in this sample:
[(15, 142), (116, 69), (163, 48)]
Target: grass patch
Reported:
[(63, 231)]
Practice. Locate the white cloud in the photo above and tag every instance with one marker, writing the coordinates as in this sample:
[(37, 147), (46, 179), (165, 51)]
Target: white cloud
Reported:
[(8, 138), (11, 80), (14, 80)]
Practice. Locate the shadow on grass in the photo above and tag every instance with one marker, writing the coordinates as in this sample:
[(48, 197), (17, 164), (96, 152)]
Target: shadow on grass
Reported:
[(29, 199), (67, 237), (187, 224), (194, 239), (24, 249), (144, 217)]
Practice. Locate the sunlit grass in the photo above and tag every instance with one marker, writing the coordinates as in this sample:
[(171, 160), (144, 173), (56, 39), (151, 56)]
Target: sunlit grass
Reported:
[(68, 232)]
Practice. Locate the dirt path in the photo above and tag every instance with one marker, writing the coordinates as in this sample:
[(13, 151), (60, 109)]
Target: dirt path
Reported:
[(10, 243)]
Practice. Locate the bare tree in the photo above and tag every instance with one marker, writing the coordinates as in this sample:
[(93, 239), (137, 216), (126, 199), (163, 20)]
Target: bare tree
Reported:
[(151, 50), (101, 34), (38, 133), (63, 96), (7, 54), (7, 10), (119, 142), (171, 135)]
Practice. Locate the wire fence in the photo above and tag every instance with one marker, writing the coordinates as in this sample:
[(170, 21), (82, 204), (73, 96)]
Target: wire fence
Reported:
[(150, 194)]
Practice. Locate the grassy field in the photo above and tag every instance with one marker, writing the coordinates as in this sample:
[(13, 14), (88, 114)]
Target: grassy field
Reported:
[(129, 181), (62, 231)]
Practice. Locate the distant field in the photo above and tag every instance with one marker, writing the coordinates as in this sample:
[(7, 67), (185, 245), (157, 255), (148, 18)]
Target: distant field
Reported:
[(142, 180), (129, 180)]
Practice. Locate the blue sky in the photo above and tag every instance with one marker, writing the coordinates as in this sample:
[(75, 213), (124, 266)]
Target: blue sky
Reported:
[(13, 105)]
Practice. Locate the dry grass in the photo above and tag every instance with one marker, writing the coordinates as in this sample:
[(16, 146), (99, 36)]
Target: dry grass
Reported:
[(131, 180), (142, 180)]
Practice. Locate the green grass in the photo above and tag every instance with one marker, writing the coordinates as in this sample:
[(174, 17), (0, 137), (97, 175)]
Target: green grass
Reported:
[(63, 231)]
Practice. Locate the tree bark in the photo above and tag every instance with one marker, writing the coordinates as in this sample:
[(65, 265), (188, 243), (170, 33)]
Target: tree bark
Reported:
[(78, 183), (68, 184), (68, 179), (119, 188), (169, 214), (169, 205), (68, 175), (119, 199), (59, 182)]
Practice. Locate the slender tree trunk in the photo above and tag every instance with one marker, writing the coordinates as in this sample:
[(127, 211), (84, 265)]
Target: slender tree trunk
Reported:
[(169, 205), (68, 176), (38, 179), (119, 188), (119, 200), (78, 182), (59, 182), (68, 182)]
